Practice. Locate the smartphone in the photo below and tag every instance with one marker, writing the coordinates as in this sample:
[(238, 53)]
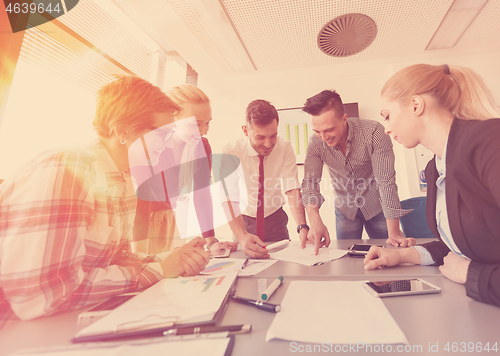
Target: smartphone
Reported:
[(220, 253), (359, 250), (401, 287), (105, 307)]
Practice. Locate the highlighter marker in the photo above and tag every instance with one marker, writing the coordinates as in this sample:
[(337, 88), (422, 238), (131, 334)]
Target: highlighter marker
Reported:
[(270, 290)]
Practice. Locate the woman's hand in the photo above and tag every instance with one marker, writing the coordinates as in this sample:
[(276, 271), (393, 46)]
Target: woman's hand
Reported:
[(380, 257), (224, 245), (455, 267), (187, 260)]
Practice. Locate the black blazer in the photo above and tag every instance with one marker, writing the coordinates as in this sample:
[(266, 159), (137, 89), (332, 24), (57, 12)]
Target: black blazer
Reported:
[(473, 204)]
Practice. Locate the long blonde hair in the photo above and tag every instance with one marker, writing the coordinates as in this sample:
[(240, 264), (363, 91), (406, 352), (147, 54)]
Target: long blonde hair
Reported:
[(458, 89)]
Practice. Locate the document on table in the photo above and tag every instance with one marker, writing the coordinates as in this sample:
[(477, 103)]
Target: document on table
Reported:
[(218, 266), (294, 253), (255, 266), (177, 300), (336, 312), (157, 346)]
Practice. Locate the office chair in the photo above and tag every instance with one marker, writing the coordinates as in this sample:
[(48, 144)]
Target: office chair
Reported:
[(415, 224)]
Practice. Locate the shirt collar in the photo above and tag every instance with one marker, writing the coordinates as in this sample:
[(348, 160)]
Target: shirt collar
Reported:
[(349, 131), (106, 163), (249, 148), (441, 162)]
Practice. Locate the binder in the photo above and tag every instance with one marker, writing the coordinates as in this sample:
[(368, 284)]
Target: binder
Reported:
[(153, 325)]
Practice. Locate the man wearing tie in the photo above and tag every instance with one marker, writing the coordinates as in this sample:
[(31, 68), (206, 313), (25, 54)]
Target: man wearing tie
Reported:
[(269, 165)]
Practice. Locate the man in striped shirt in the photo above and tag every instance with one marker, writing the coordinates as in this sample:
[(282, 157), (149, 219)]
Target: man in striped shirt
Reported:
[(360, 160)]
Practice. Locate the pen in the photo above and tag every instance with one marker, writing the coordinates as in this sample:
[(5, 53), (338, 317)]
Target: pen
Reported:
[(270, 290), (232, 329), (273, 308)]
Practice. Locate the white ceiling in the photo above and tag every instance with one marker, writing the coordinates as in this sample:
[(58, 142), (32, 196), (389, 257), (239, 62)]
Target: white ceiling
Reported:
[(282, 34)]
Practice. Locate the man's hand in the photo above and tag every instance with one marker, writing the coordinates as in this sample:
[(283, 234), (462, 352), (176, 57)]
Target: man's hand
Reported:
[(319, 235), (253, 246), (380, 257), (455, 267), (305, 238), (187, 260), (399, 240)]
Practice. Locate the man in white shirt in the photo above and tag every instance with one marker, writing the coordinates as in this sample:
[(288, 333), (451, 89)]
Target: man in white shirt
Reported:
[(280, 171)]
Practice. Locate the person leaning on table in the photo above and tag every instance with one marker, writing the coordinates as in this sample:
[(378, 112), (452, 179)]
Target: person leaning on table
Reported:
[(449, 110), (66, 217)]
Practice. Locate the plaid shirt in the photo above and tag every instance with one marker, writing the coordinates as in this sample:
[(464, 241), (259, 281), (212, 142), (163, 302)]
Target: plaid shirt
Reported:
[(364, 178), (65, 230)]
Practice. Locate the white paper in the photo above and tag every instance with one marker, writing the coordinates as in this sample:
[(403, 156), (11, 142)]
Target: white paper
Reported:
[(256, 266), (336, 312), (294, 253), (180, 300), (212, 347), (219, 266)]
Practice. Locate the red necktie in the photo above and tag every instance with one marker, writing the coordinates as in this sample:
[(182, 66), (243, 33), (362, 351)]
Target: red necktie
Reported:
[(260, 202)]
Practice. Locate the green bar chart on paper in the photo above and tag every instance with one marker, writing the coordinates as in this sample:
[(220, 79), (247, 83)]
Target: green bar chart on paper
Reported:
[(207, 282)]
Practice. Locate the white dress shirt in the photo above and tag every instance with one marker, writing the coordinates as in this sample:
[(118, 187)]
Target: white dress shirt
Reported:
[(443, 224), (280, 173)]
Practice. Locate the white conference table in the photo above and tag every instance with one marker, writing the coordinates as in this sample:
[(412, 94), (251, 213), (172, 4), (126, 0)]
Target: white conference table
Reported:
[(449, 316)]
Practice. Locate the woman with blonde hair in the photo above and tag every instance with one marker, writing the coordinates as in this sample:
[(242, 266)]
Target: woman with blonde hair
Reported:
[(450, 111), (66, 217), (190, 153)]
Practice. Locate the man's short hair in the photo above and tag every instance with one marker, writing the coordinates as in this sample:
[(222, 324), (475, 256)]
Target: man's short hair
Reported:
[(261, 113), (324, 101), (128, 104)]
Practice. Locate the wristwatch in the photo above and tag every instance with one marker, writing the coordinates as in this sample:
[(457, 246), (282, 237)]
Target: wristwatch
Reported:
[(303, 226)]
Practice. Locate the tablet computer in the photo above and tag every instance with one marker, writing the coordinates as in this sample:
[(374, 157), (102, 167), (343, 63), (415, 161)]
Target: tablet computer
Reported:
[(401, 287)]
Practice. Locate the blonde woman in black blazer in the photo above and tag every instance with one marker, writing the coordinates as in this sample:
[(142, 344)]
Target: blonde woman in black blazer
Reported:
[(449, 110)]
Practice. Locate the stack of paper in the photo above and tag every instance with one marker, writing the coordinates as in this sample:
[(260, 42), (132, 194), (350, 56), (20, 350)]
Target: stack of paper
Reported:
[(294, 253), (335, 312)]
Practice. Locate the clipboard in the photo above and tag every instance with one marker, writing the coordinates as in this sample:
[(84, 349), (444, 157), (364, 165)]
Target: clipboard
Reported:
[(157, 329)]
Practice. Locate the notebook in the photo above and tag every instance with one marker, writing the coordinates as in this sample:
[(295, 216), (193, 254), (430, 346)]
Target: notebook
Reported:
[(170, 303)]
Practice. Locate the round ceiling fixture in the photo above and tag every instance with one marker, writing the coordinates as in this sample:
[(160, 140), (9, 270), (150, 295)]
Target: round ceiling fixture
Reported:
[(347, 35)]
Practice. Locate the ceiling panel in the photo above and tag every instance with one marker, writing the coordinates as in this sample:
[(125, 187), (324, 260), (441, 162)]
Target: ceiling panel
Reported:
[(282, 34)]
